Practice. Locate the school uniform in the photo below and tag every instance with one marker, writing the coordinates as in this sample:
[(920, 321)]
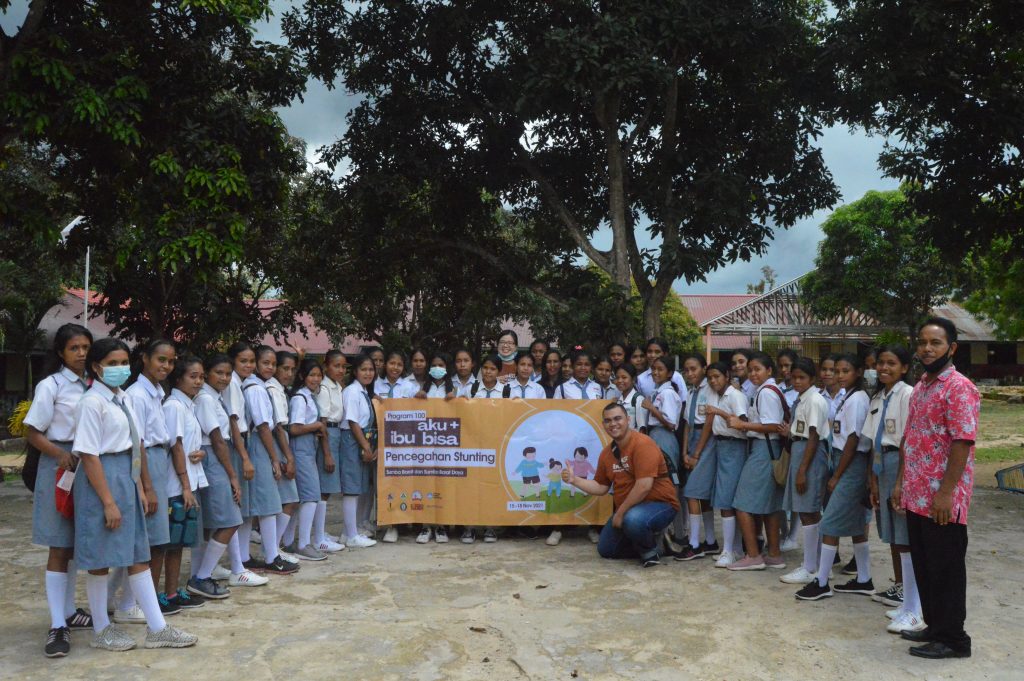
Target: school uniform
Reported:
[(286, 489), (757, 491), (264, 499), (669, 403), (633, 404), (217, 501), (107, 427), (356, 473), (700, 483), (790, 394), (833, 401), (147, 401), (844, 513), (496, 393), (234, 401), (403, 387), (884, 426), (574, 390), (749, 389), (53, 414), (811, 411), (730, 446), (303, 410), (437, 391), (332, 409), (530, 391), (645, 383), (463, 388), (180, 417)]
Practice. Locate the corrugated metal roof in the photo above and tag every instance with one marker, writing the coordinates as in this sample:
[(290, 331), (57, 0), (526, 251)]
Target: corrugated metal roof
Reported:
[(968, 327), (704, 307)]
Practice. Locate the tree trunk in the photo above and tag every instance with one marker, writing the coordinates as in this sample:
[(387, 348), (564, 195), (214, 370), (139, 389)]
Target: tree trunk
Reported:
[(654, 301)]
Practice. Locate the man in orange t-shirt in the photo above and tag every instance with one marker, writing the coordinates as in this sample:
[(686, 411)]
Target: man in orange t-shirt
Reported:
[(644, 496)]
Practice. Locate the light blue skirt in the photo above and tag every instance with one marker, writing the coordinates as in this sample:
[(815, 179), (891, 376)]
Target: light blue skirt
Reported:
[(264, 498), (892, 526), (701, 482), (286, 489), (813, 499), (156, 525), (757, 491), (730, 456), (330, 483), (50, 528), (668, 443), (244, 485), (219, 507), (844, 514), (307, 476), (355, 473), (96, 547)]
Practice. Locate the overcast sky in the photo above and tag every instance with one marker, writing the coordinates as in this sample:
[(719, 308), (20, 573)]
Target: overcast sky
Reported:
[(320, 119)]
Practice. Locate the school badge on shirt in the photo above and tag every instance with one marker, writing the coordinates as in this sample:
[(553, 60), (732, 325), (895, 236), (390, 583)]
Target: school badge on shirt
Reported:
[(800, 427), (890, 426)]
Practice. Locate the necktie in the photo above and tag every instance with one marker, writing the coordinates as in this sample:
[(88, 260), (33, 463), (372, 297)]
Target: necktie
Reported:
[(371, 429), (583, 390), (391, 390), (133, 434), (693, 408), (522, 390), (876, 465)]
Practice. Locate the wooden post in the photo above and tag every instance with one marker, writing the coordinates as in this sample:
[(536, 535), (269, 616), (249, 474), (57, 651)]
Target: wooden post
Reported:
[(707, 344)]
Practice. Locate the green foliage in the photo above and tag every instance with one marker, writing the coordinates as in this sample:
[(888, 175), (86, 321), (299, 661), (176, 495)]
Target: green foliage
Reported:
[(877, 257), (766, 284), (894, 337), (994, 283)]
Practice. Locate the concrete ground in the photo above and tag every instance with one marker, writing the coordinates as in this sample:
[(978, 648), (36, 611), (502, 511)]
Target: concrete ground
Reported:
[(520, 610)]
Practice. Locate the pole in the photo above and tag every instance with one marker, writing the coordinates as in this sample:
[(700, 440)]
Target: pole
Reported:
[(760, 340), (85, 315), (707, 344)]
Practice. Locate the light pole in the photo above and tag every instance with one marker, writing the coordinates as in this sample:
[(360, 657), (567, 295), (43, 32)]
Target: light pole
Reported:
[(63, 237)]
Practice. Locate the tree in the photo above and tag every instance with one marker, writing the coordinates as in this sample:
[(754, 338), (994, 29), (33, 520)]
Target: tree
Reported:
[(877, 258), (693, 122), (993, 282), (767, 282), (943, 82)]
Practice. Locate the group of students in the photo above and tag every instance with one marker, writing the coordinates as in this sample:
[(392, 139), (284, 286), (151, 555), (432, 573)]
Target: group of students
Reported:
[(247, 447)]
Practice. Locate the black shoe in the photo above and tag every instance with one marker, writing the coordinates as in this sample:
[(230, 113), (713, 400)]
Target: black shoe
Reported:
[(938, 651), (814, 591), (166, 607), (851, 567), (58, 642), (79, 619), (855, 587), (186, 601), (923, 636), (254, 565), (280, 567), (653, 561), (689, 553), (710, 549)]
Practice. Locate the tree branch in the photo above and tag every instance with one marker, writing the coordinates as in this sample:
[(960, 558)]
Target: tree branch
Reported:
[(9, 45)]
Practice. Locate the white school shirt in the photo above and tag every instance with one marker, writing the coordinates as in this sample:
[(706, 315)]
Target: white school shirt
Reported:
[(463, 389), (849, 420), (234, 402), (101, 426), (749, 389), (261, 410), (147, 400), (357, 407), (833, 402), (53, 406), (574, 390), (180, 416), (633, 404), (211, 414), (668, 402), (302, 409), (766, 408), (645, 384), (332, 406), (699, 396), (790, 393), (401, 388), (811, 412), (608, 393), (536, 376), (530, 391), (494, 393), (895, 415), (279, 400), (437, 390), (732, 402)]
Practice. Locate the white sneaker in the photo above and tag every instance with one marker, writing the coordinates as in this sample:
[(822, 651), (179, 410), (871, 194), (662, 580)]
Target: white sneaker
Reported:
[(593, 535), (424, 536), (468, 535), (725, 559), (894, 613), (329, 546), (391, 536), (328, 535), (133, 616), (247, 578), (554, 538), (490, 536), (907, 621), (220, 573), (789, 544), (255, 537), (441, 535), (360, 542), (288, 557), (798, 576)]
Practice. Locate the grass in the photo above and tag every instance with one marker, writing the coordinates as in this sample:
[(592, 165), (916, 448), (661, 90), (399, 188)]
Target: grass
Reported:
[(1000, 432)]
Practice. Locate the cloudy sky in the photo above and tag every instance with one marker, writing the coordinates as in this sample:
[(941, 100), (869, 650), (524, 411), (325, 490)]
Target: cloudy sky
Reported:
[(320, 119)]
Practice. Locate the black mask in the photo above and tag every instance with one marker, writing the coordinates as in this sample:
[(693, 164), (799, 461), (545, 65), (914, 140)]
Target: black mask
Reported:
[(938, 365)]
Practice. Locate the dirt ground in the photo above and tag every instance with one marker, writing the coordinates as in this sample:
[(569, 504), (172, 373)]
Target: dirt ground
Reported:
[(520, 610)]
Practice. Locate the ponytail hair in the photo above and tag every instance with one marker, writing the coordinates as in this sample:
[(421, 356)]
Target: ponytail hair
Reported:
[(858, 364)]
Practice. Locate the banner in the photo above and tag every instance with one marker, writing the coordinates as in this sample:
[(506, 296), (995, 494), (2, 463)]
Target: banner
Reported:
[(488, 462)]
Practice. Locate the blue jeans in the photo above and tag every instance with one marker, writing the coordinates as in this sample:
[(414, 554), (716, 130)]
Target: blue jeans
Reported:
[(638, 536)]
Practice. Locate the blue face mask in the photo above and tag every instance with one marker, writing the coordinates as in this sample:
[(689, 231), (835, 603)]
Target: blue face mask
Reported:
[(116, 376), (437, 373)]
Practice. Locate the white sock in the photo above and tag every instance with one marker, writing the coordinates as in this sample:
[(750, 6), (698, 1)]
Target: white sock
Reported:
[(96, 593), (729, 534), (282, 526), (214, 550), (794, 526), (709, 526), (307, 513), (349, 506), (69, 593), (289, 530), (319, 522), (811, 548), (862, 552), (195, 557), (695, 530), (145, 595), (268, 530), (235, 555), (911, 596), (56, 588), (828, 554), (243, 534)]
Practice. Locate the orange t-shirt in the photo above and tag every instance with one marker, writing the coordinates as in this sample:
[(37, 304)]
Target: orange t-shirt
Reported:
[(641, 458)]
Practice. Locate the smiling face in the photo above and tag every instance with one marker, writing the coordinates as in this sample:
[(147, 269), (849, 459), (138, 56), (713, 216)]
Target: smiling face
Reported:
[(553, 365), (603, 372), (192, 380), (890, 369), (266, 365), (616, 423), (219, 376), (506, 344), (313, 380), (245, 364), (757, 372), (286, 371), (654, 351), (337, 368), (739, 366), (581, 368), (623, 381), (74, 353), (159, 363), (366, 373), (395, 368), (693, 372), (566, 368), (846, 374), (659, 372)]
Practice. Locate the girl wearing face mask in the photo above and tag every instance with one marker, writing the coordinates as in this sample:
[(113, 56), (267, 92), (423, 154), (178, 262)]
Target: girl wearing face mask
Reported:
[(439, 385), (110, 526)]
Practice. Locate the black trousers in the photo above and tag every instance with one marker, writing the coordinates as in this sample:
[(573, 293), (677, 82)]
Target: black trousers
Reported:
[(938, 553)]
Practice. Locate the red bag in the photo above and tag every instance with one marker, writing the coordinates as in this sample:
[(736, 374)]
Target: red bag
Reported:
[(62, 495)]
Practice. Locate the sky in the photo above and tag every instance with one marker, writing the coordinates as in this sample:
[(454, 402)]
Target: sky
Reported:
[(319, 119)]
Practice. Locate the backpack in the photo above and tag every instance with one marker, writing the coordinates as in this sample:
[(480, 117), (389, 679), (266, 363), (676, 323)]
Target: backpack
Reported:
[(780, 466)]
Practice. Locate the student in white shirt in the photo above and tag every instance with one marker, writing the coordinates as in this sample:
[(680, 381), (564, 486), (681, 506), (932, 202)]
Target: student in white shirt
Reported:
[(603, 369), (358, 446), (50, 430), (523, 386), (377, 355), (489, 387), (551, 368), (630, 398), (243, 360), (392, 385), (284, 374), (663, 409), (657, 347), (579, 386), (332, 413), (740, 380), (700, 483), (538, 350), (784, 361), (419, 363), (463, 379), (830, 389), (309, 436), (110, 527)]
